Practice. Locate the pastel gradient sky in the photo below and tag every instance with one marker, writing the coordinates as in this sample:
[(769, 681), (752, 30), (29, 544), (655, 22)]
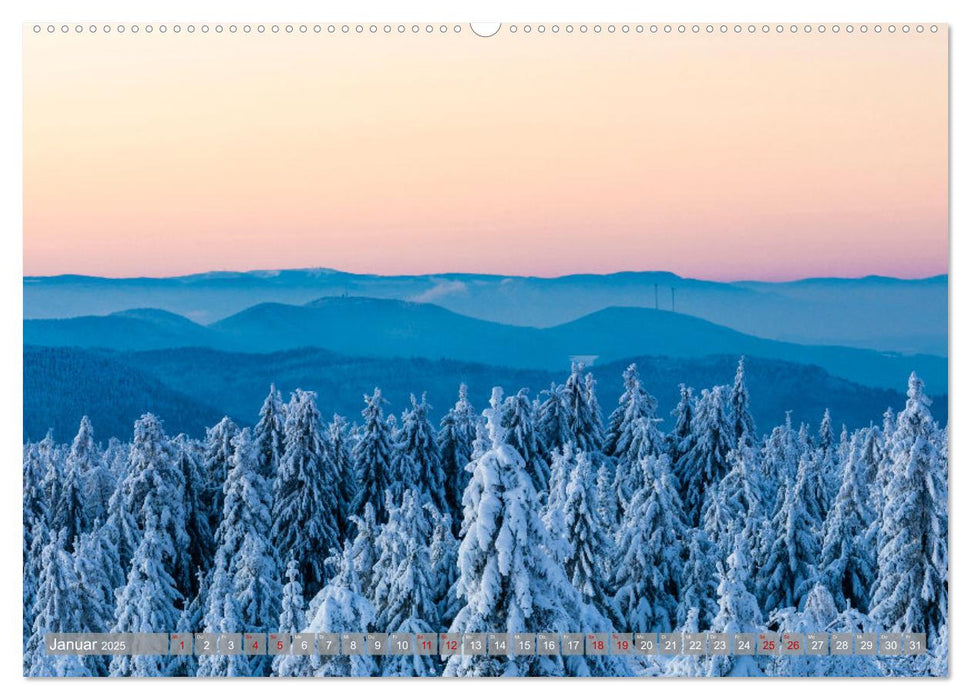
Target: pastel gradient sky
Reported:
[(713, 156)]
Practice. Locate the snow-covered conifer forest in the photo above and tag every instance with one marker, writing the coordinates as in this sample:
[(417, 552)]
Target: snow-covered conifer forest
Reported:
[(530, 511)]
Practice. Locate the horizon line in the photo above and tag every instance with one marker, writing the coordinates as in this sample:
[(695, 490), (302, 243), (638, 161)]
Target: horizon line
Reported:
[(271, 272)]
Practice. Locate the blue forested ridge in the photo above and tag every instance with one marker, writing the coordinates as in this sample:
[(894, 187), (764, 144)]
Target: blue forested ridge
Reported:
[(194, 387)]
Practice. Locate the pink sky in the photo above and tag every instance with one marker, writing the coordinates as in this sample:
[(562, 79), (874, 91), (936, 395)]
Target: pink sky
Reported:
[(719, 157)]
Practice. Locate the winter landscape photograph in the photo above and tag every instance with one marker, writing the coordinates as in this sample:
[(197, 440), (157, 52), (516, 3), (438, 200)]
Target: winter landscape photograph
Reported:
[(321, 339)]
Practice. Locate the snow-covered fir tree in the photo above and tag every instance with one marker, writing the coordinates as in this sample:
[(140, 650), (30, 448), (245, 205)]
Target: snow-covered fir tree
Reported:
[(372, 458), (244, 551), (552, 420), (583, 421), (410, 519), (683, 414), (738, 613), (416, 463), (739, 415), (340, 607), (293, 620), (269, 434), (699, 582), (632, 435), (197, 522), (734, 502), (443, 553), (147, 602), (779, 463), (68, 513), (847, 561), (552, 512), (911, 587), (647, 576), (405, 590), (704, 453), (820, 613), (455, 438), (53, 467), (364, 550), (96, 483), (789, 571), (507, 578), (154, 473), (216, 458), (590, 552), (517, 419), (340, 457), (98, 572), (56, 609), (305, 494)]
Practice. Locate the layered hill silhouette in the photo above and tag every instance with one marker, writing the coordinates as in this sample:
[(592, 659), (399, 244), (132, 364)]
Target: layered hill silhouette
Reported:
[(387, 328), (881, 313)]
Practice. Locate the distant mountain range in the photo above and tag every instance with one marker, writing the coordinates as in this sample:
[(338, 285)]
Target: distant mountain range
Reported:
[(386, 328), (192, 388), (879, 313)]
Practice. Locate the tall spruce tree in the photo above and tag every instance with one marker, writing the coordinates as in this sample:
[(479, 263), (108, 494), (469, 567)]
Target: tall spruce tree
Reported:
[(243, 547), (734, 501), (293, 620), (147, 602), (738, 613), (69, 513), (910, 594), (517, 419), (583, 421), (364, 551), (651, 547), (553, 420), (405, 590), (699, 582), (340, 457), (455, 438), (416, 463), (507, 579), (683, 414), (216, 463), (98, 571), (269, 434), (552, 512), (372, 458), (739, 416), (197, 525), (56, 609), (590, 552), (305, 493), (338, 608), (789, 571), (779, 463), (847, 562), (153, 471), (704, 459), (410, 519)]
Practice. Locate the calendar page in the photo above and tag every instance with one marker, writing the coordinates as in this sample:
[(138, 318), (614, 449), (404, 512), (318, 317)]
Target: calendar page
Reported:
[(470, 350)]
